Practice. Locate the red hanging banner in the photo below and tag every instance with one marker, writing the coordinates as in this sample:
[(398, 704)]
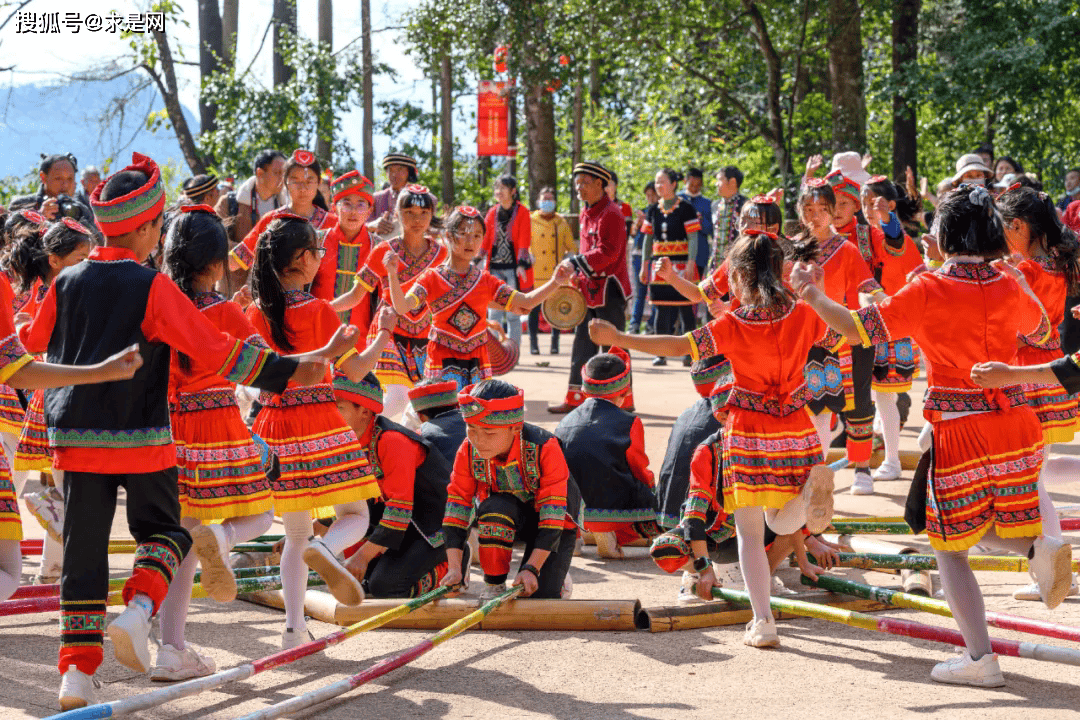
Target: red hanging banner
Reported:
[(492, 120)]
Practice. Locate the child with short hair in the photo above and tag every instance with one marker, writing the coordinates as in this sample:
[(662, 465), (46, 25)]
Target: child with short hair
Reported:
[(117, 435), (458, 294), (347, 245), (604, 446), (514, 474), (436, 405)]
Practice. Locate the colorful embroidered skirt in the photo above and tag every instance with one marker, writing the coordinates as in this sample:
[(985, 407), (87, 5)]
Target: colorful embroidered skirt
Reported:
[(1055, 408), (320, 461), (220, 470), (828, 375), (402, 361), (12, 414), (895, 365), (463, 368), (33, 451), (767, 459), (10, 523), (985, 475)]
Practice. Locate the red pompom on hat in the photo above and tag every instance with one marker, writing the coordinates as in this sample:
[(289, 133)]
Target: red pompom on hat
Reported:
[(126, 213)]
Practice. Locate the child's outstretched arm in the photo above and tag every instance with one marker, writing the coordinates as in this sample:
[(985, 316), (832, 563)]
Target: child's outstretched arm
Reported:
[(522, 303), (997, 374), (804, 277), (357, 365), (36, 375), (604, 333), (349, 299), (691, 291)]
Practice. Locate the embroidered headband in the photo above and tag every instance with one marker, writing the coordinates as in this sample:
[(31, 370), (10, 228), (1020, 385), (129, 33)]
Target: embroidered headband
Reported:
[(721, 392), (126, 213), (352, 183), (303, 157), (611, 386), (75, 225), (468, 211), (366, 393), (494, 413), (398, 159), (705, 372), (841, 184), (434, 395), (596, 170)]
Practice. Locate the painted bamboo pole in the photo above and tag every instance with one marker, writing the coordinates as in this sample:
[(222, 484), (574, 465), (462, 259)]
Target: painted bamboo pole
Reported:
[(29, 591), (899, 599), (381, 668), (127, 547), (906, 628), (888, 526), (52, 603), (245, 671), (981, 563)]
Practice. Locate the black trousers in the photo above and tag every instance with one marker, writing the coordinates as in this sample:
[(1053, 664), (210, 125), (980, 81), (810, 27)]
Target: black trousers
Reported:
[(153, 516), (504, 519), (397, 573), (614, 311), (534, 330), (667, 315)]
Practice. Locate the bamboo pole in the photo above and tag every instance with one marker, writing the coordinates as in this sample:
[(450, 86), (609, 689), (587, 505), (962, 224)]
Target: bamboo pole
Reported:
[(381, 668), (29, 591), (898, 599), (914, 581), (909, 459), (127, 547), (525, 614), (245, 671), (981, 563), (707, 615), (907, 628), (52, 603)]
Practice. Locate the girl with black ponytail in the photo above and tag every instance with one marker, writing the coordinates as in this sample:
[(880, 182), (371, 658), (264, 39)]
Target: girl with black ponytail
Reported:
[(772, 456), (320, 461), (987, 444)]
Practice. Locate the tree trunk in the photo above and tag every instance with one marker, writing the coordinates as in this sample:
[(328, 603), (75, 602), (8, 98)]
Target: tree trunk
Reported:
[(436, 71), (578, 137), (905, 46), (366, 64), (284, 25), (446, 159), (324, 130), (846, 76), (230, 17), (594, 79), (210, 54), (540, 136), (167, 87), (773, 131)]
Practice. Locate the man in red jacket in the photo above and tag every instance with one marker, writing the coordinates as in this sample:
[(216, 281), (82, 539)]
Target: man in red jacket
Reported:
[(601, 270)]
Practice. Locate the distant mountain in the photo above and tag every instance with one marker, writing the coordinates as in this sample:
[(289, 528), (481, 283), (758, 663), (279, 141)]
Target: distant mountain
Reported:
[(38, 119)]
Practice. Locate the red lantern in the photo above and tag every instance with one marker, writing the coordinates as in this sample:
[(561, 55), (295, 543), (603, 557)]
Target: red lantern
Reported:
[(501, 53), (564, 60)]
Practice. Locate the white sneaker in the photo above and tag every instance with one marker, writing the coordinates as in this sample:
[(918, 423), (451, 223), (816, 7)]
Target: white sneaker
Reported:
[(686, 595), (345, 588), (172, 664), (779, 588), (49, 575), (490, 591), (863, 485), (567, 588), (1031, 592), (607, 546), (77, 689), (962, 670), (890, 469), (1052, 568), (48, 507), (818, 493), (579, 545), (761, 633), (295, 638), (210, 544), (130, 635)]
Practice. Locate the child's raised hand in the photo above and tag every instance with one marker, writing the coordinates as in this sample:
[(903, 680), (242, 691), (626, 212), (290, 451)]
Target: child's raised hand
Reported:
[(123, 365), (662, 268), (881, 207), (804, 274), (990, 374), (813, 163), (601, 332), (777, 194), (931, 249), (392, 263), (344, 340), (564, 273), (866, 160), (242, 297), (387, 319)]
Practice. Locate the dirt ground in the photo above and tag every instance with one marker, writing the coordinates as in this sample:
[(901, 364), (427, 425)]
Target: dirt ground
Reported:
[(821, 670)]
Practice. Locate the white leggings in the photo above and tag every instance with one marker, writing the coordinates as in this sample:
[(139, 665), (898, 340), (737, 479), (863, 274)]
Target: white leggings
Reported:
[(890, 424), (753, 561), (10, 567), (349, 528)]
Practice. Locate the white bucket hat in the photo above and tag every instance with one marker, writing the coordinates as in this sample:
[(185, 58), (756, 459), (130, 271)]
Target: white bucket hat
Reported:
[(967, 163), (850, 166)]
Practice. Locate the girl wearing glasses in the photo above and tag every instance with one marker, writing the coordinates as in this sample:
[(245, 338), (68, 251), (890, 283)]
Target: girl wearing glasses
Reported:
[(458, 294), (302, 172)]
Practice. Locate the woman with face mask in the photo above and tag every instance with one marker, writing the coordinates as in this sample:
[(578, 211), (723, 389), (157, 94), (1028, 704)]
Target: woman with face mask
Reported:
[(552, 240)]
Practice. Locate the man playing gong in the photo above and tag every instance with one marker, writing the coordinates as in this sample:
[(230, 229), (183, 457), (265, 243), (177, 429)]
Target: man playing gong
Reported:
[(600, 268)]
